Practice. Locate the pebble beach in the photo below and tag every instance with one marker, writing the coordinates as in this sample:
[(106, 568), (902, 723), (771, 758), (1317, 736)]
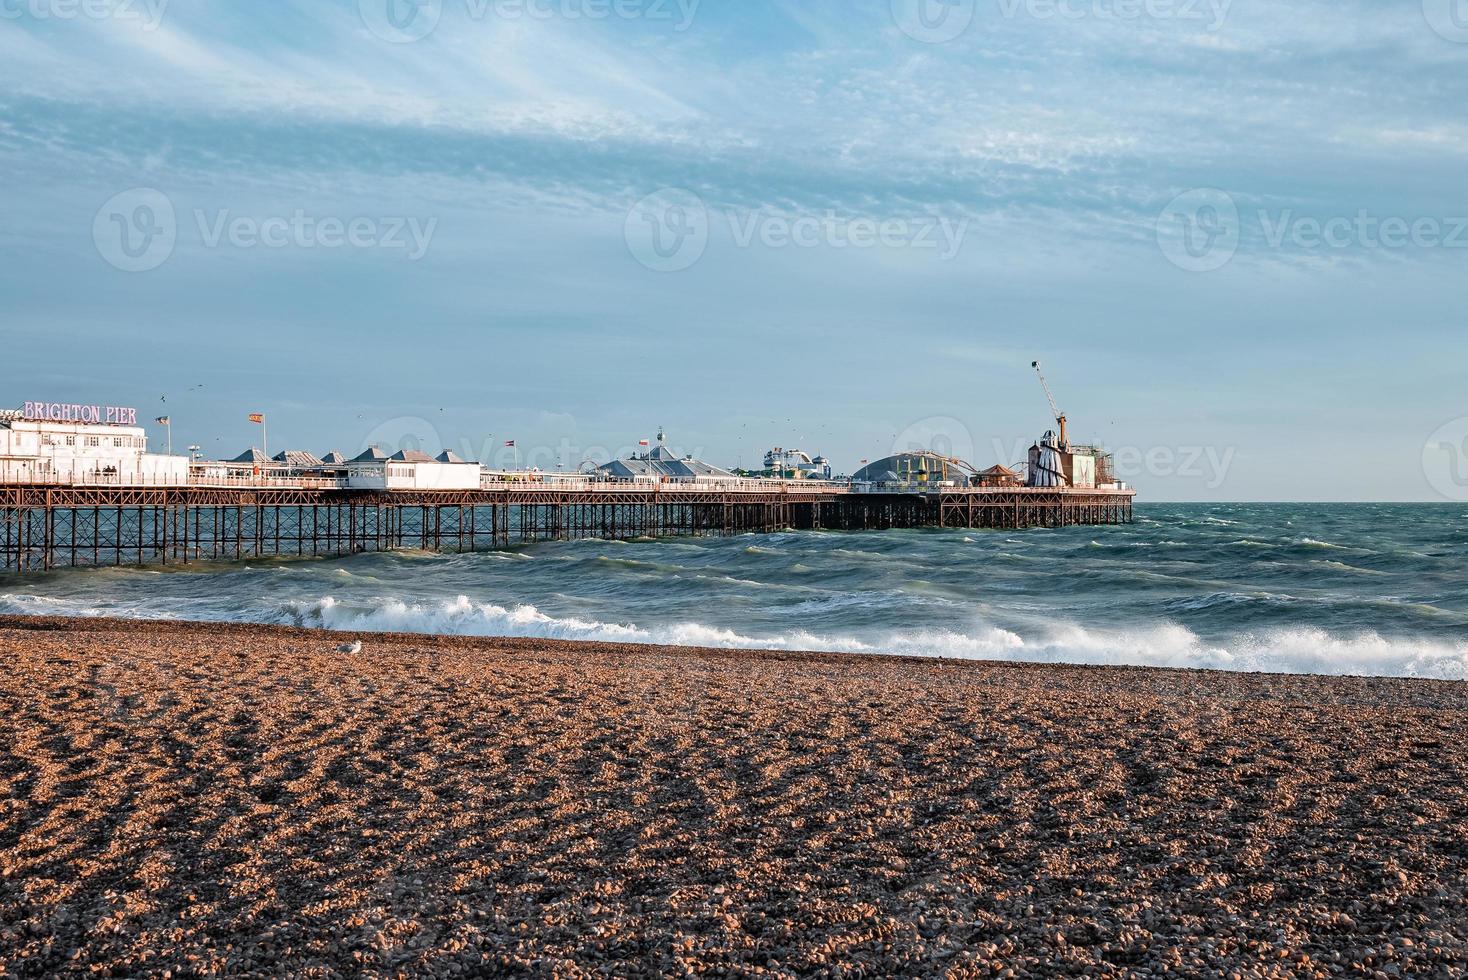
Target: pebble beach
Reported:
[(220, 800)]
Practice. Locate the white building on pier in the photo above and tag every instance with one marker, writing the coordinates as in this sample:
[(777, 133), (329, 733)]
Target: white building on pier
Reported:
[(76, 445)]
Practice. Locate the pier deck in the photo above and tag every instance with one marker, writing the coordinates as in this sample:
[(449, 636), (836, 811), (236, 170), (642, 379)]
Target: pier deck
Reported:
[(43, 527)]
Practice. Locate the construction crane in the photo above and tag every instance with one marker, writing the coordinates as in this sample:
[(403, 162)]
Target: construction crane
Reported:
[(1059, 415)]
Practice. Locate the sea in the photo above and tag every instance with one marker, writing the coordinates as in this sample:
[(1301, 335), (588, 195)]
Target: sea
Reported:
[(1351, 589)]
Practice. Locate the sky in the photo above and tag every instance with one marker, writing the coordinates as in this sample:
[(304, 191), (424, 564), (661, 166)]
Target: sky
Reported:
[(1233, 231)]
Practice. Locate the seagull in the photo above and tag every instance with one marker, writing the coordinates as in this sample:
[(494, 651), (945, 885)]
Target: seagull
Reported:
[(354, 647)]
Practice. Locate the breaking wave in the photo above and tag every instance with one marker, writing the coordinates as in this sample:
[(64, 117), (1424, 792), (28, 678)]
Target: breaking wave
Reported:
[(1331, 589), (1304, 651), (1292, 651)]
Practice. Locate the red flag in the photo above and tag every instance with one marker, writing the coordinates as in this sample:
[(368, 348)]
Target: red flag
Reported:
[(258, 419), (644, 442)]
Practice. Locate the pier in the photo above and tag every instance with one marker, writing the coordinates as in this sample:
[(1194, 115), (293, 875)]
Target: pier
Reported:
[(79, 488), (45, 526)]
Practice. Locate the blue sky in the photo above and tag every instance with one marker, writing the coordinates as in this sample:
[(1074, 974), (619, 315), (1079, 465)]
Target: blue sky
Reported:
[(872, 221)]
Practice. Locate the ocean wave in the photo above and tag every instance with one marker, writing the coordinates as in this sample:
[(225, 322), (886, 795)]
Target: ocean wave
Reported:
[(1341, 566), (1309, 542), (750, 583), (635, 565), (1224, 600), (27, 604), (1164, 543), (1298, 650)]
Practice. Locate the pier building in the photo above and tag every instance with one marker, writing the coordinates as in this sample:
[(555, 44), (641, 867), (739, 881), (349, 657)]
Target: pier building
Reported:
[(51, 443)]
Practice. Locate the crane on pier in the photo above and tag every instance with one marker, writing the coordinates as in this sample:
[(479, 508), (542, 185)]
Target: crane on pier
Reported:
[(1059, 415)]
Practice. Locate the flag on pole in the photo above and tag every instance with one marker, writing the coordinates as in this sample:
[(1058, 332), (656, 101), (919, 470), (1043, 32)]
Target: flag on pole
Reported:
[(643, 442), (259, 419), (163, 420), (509, 443)]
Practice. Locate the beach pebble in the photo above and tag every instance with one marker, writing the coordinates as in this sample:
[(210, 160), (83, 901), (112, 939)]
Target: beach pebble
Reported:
[(240, 801)]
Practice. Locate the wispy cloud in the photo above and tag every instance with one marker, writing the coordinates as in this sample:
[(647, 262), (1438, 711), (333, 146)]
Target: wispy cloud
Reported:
[(1059, 139)]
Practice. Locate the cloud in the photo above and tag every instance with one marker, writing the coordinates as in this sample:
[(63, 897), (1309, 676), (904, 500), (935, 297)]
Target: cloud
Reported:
[(830, 109)]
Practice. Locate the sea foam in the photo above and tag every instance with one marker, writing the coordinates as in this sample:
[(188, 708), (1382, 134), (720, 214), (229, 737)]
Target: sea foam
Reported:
[(1299, 650)]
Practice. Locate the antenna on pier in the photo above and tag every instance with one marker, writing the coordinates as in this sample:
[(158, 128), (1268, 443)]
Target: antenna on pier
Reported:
[(1054, 408)]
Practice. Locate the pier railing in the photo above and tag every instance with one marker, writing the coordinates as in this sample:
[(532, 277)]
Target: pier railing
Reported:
[(153, 481), (528, 483), (531, 483), (552, 483)]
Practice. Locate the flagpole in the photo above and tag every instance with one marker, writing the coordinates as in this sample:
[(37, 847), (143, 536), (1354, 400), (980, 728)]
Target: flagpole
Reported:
[(265, 438)]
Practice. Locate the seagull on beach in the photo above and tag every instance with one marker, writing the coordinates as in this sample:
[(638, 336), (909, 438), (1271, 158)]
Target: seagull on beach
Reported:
[(354, 647)]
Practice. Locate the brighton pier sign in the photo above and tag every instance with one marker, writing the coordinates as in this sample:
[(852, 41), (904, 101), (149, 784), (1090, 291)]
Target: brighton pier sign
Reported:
[(85, 414)]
